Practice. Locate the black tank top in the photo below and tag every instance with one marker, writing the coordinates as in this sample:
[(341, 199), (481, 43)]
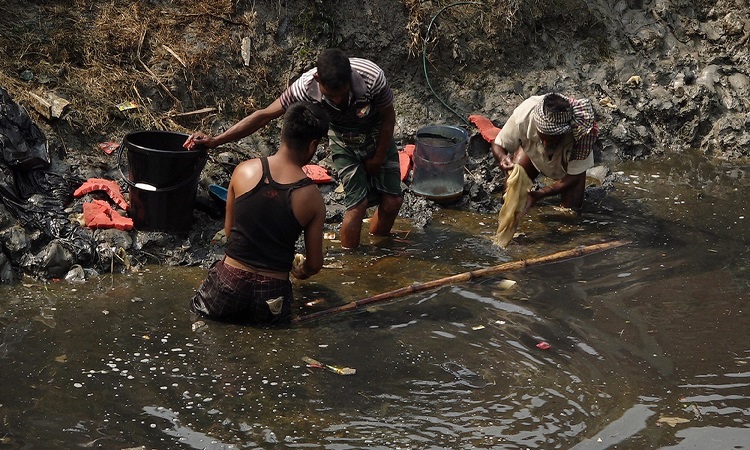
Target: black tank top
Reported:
[(265, 229)]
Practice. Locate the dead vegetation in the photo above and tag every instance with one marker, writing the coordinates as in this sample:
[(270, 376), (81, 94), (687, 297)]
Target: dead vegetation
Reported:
[(496, 20), (180, 61), (101, 54)]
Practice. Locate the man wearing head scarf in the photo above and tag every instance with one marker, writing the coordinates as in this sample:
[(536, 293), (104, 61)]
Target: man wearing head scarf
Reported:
[(553, 135)]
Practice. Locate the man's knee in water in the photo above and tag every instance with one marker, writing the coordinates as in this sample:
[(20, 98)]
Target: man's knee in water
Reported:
[(391, 204), (358, 211), (572, 197)]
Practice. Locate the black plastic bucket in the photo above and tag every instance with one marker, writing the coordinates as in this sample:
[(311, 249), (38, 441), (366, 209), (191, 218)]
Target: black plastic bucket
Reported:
[(163, 178)]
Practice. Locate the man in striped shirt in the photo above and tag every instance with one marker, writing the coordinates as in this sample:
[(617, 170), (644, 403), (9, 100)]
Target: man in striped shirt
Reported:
[(356, 95), (553, 135)]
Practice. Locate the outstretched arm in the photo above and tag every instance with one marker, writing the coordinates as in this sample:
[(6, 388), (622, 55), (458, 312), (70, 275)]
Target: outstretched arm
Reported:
[(245, 127)]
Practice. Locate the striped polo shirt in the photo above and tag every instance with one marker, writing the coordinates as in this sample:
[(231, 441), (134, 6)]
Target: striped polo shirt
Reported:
[(369, 92)]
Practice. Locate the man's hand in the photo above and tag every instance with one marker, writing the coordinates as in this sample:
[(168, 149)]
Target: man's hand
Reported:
[(298, 269), (506, 163), (502, 157), (373, 165), (198, 139), (531, 199), (299, 273)]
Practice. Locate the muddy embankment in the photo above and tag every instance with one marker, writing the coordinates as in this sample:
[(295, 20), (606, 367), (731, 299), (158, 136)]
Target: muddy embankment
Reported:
[(664, 76)]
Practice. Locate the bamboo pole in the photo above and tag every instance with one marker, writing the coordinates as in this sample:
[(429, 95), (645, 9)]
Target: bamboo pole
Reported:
[(463, 277)]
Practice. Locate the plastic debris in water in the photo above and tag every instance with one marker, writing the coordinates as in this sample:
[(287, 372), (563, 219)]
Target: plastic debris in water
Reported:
[(543, 345), (671, 421), (315, 364), (198, 325), (465, 375)]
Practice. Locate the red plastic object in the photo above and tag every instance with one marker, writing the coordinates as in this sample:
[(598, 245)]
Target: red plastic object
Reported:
[(404, 162), (486, 128), (100, 184), (543, 345), (98, 214), (109, 147), (317, 174)]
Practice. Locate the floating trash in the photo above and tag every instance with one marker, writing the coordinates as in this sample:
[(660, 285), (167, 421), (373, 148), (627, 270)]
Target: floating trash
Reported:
[(315, 364), (465, 376)]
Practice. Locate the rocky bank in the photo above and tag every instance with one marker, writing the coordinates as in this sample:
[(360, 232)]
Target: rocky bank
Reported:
[(665, 76)]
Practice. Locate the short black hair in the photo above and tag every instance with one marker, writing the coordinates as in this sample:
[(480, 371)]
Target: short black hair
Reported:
[(334, 68), (556, 103), (303, 123)]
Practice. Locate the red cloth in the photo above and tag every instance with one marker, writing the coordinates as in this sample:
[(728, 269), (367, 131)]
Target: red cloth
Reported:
[(486, 128), (405, 160), (98, 214), (316, 173), (100, 184)]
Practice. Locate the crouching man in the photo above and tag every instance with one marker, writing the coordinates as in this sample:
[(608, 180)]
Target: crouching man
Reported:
[(270, 203), (553, 135)]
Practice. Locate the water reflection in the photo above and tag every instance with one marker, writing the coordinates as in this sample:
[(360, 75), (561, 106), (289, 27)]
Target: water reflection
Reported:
[(647, 343)]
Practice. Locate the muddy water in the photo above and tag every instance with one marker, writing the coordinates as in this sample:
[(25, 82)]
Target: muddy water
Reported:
[(648, 343)]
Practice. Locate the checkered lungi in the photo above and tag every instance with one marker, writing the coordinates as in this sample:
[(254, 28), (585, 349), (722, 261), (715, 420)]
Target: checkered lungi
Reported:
[(235, 295)]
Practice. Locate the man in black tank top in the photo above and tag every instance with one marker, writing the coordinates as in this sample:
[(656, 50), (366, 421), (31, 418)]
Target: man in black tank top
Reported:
[(270, 203)]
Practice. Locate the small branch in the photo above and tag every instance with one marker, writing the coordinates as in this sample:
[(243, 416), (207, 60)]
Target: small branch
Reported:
[(140, 45), (194, 113), (172, 52)]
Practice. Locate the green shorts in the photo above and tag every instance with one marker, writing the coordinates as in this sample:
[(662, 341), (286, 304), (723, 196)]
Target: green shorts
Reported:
[(349, 151)]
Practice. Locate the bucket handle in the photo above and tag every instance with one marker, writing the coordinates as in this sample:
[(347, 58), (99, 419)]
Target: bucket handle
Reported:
[(165, 189)]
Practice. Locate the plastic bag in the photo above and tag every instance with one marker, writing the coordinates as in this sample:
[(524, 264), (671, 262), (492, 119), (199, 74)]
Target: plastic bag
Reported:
[(22, 142)]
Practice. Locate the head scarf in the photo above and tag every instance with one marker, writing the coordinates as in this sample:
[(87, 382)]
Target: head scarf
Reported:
[(578, 119)]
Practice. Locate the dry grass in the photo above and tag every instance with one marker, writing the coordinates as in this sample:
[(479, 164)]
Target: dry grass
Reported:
[(181, 55), (490, 35), (100, 54), (496, 17)]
